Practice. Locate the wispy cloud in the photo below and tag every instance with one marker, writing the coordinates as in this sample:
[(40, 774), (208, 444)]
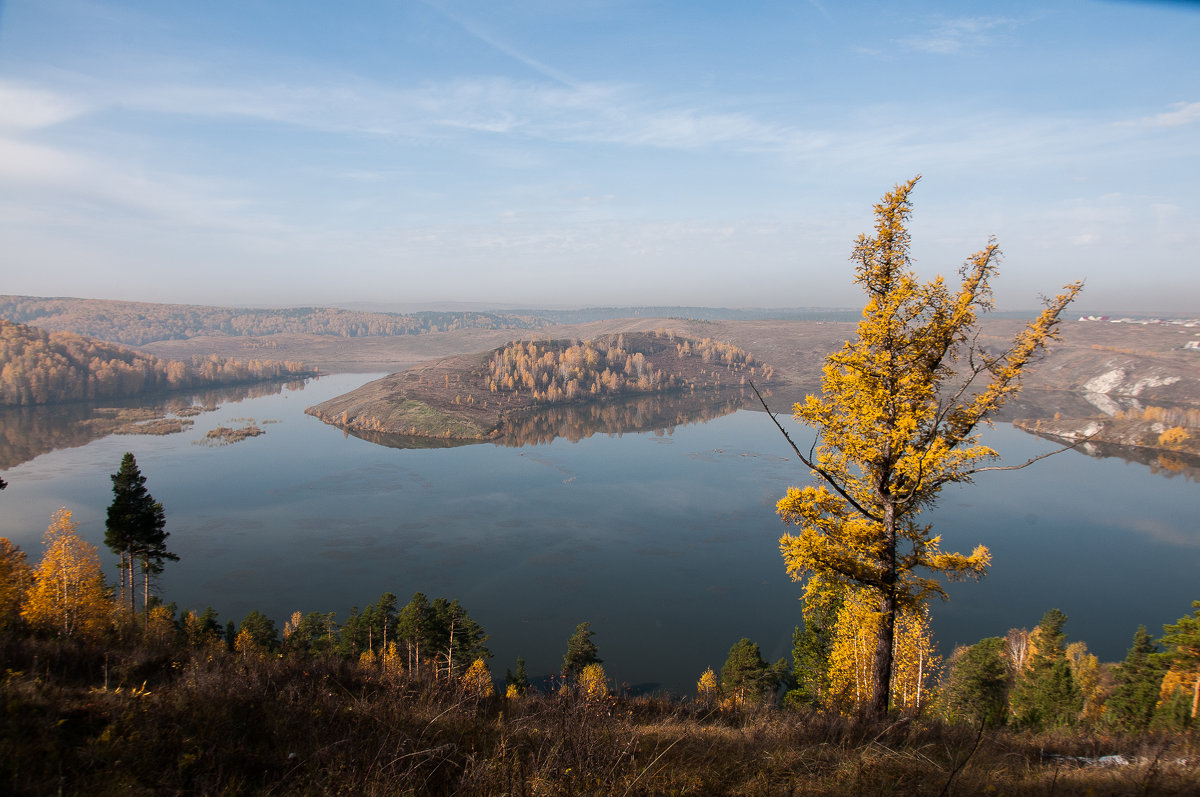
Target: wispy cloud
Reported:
[(1182, 113), (23, 108), (488, 38), (954, 36)]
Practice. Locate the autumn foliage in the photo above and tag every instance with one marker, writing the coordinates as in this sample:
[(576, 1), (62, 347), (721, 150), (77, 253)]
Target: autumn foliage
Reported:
[(554, 371), (895, 421), (40, 367)]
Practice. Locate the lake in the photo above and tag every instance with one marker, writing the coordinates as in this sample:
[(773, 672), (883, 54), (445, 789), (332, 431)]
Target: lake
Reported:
[(665, 540)]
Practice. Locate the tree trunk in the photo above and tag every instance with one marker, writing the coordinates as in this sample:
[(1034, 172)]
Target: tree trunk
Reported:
[(1196, 696), (885, 643), (881, 676)]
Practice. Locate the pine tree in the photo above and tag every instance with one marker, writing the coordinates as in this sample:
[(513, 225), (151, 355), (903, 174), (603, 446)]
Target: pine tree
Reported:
[(977, 687), (257, 633), (1131, 706), (1045, 693), (1182, 643), (896, 421), (746, 679), (811, 645), (414, 626), (581, 650), (136, 530), (516, 684)]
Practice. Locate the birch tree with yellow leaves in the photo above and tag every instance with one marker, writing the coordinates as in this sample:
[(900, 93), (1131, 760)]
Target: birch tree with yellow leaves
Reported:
[(68, 596), (896, 421)]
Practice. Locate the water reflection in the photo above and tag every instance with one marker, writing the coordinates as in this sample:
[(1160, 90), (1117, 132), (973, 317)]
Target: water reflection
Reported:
[(1161, 463), (29, 432), (659, 413)]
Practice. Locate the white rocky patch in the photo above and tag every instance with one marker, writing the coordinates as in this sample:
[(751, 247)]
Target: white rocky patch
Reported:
[(1106, 382), (1102, 403), (1152, 381)]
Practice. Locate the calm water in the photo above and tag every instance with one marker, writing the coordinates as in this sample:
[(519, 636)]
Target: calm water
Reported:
[(666, 541)]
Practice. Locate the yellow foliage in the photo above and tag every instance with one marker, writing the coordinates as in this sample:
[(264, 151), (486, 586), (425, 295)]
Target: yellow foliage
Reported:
[(915, 660), (593, 682), (1175, 436), (706, 687), (477, 680), (15, 578), (1085, 668), (513, 692), (391, 661), (1177, 680), (68, 595), (246, 646), (896, 421)]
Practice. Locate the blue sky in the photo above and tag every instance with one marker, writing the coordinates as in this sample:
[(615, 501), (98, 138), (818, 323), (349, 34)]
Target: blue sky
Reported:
[(538, 152)]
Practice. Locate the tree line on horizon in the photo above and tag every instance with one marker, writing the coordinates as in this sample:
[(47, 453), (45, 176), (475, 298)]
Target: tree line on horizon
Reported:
[(42, 367), (138, 323)]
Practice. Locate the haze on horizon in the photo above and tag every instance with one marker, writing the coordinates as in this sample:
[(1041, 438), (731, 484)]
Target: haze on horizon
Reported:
[(604, 152)]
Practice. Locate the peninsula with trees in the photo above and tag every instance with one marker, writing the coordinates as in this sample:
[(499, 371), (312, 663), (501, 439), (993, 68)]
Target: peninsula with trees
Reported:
[(484, 396)]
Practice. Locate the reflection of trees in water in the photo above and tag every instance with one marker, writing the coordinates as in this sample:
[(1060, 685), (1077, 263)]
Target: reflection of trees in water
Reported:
[(28, 432), (575, 422), (649, 413), (1161, 463)]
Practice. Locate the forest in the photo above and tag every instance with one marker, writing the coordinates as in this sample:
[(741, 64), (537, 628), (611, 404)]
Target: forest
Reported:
[(557, 372), (41, 367), (138, 323), (402, 698)]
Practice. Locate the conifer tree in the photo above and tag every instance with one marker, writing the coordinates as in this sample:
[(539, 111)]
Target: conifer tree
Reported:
[(895, 421), (414, 626), (976, 689), (581, 650), (257, 633), (516, 684), (1045, 693), (136, 530), (1182, 643), (746, 679), (1131, 706), (811, 646)]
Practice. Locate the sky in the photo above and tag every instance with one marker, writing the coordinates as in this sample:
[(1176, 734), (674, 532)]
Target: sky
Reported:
[(600, 152)]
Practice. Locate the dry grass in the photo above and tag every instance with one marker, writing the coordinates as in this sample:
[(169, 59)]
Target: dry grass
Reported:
[(126, 720)]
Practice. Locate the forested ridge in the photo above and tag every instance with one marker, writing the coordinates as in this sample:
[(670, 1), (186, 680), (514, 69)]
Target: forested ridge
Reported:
[(41, 367), (137, 323)]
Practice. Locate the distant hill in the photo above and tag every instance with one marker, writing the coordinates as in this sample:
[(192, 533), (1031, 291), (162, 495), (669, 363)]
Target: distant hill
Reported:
[(589, 314), (40, 367), (138, 323)]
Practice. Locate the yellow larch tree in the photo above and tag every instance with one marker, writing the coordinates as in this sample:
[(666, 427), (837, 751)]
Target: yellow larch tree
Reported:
[(68, 596), (895, 421)]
